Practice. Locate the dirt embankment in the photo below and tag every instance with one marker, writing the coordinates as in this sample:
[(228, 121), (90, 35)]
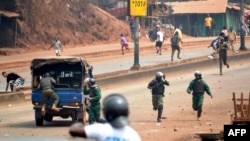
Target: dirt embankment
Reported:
[(41, 21)]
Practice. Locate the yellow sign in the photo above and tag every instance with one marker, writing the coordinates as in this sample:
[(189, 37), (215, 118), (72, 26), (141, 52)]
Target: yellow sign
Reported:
[(138, 7)]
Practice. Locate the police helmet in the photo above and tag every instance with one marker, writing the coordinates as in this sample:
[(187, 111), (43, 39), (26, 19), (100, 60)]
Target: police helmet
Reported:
[(197, 74), (91, 81), (46, 74), (158, 74), (116, 110)]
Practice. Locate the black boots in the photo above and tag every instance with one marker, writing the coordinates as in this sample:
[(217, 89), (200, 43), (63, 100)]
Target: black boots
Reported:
[(199, 111)]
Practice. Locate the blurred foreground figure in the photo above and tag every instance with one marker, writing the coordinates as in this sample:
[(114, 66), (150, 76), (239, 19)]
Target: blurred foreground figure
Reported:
[(116, 111)]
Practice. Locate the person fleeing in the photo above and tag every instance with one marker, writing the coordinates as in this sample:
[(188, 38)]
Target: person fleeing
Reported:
[(57, 47), (116, 112), (222, 49), (94, 95), (159, 41), (14, 80), (46, 85), (198, 87), (157, 87), (224, 33), (180, 41), (175, 40), (214, 45), (124, 43)]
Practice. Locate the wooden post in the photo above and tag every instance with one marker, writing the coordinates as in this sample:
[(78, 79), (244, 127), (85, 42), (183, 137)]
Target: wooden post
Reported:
[(241, 106), (16, 33), (235, 108), (249, 107)]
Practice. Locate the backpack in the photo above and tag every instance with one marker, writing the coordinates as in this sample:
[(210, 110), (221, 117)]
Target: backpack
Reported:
[(174, 40)]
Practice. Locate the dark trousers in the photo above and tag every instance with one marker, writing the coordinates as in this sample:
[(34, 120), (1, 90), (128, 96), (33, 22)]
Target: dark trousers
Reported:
[(175, 47), (208, 31), (222, 59)]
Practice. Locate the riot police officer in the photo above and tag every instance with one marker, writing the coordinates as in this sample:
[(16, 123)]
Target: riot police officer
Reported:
[(198, 87), (48, 92), (157, 86), (94, 95)]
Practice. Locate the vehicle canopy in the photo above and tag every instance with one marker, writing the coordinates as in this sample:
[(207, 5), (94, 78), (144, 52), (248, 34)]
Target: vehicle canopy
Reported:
[(38, 63), (69, 69)]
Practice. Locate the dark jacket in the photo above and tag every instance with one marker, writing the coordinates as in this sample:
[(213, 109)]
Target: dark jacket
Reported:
[(157, 86)]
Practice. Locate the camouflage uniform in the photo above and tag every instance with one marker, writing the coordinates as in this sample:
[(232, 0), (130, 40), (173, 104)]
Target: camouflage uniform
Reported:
[(157, 88)]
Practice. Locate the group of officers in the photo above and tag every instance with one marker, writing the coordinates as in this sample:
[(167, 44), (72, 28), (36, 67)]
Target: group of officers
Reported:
[(114, 107)]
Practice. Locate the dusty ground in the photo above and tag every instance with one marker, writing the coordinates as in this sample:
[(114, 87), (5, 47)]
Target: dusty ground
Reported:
[(180, 125)]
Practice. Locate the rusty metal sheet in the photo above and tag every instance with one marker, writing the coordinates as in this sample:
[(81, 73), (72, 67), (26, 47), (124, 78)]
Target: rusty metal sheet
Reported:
[(200, 7)]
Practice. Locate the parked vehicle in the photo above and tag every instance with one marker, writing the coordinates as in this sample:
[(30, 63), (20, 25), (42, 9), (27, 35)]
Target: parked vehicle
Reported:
[(69, 72)]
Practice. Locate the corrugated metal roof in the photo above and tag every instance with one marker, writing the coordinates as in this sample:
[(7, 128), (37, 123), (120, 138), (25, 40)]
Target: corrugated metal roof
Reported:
[(236, 6), (8, 14), (206, 6)]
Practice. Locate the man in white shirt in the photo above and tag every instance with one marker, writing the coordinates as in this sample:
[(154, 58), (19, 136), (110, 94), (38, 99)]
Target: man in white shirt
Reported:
[(116, 111), (159, 41), (57, 47)]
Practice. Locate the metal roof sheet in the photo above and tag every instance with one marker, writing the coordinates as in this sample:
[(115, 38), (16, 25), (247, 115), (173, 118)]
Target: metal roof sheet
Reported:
[(206, 6)]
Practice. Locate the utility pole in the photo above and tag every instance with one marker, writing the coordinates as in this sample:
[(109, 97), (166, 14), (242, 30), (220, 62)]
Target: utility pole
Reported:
[(136, 9), (136, 65), (242, 31)]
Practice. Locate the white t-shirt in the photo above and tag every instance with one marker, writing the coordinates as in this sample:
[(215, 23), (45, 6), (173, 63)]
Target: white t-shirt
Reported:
[(57, 44), (160, 36), (105, 132)]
